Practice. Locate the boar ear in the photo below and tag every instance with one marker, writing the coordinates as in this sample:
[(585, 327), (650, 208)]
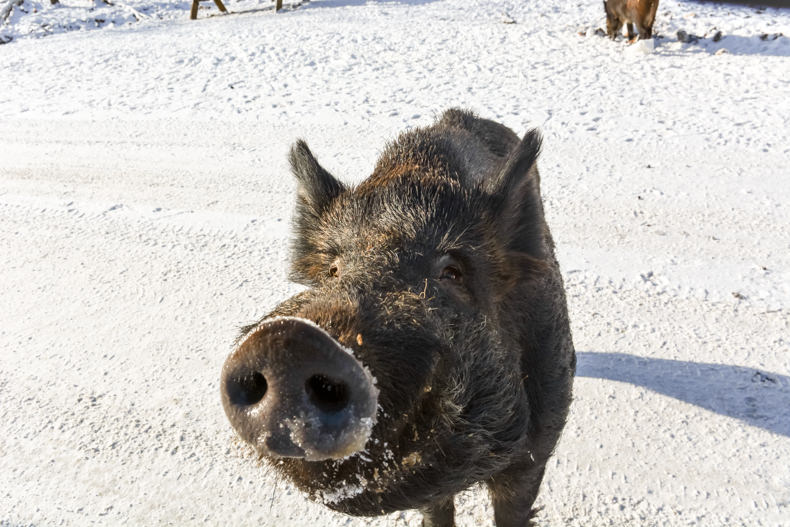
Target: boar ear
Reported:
[(317, 187), (517, 202)]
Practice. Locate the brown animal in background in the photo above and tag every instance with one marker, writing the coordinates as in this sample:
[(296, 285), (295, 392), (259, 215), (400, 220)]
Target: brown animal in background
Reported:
[(639, 12)]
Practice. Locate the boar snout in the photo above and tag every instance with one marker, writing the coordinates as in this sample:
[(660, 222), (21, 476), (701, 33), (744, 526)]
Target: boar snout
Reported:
[(291, 390)]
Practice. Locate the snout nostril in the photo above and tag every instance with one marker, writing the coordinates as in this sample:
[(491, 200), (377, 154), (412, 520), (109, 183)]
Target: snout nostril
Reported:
[(326, 394), (247, 389)]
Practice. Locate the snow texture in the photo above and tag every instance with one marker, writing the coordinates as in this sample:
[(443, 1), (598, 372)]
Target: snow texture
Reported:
[(145, 204)]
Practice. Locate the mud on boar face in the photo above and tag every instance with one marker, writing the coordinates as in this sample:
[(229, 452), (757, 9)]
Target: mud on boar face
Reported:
[(431, 350)]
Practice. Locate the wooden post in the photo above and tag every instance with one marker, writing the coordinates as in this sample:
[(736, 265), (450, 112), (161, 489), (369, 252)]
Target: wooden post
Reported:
[(193, 12), (221, 7), (278, 5)]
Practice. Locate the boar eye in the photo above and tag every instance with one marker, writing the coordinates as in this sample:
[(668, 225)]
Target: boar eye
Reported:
[(334, 270), (451, 272), (450, 269)]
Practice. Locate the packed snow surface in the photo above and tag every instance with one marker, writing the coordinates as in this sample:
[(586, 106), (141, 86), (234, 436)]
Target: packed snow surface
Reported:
[(145, 204)]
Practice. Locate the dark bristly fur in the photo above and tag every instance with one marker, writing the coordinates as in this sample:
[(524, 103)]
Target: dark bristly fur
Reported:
[(439, 272)]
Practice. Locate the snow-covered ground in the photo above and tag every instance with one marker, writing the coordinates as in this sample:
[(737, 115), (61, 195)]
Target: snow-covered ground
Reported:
[(145, 203)]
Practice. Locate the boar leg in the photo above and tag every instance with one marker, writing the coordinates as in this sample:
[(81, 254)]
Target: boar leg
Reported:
[(630, 28), (646, 25), (439, 514), (615, 27), (513, 492)]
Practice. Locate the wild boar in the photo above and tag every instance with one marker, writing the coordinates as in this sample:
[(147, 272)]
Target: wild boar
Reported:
[(639, 12), (432, 348)]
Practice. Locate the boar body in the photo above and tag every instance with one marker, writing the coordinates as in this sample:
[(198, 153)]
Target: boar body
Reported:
[(438, 275), (630, 12)]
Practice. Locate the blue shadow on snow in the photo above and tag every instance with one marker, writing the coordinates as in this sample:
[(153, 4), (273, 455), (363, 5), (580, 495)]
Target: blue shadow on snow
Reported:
[(757, 398)]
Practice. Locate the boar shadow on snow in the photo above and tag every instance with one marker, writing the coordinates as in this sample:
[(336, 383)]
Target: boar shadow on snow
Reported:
[(757, 398), (432, 349)]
